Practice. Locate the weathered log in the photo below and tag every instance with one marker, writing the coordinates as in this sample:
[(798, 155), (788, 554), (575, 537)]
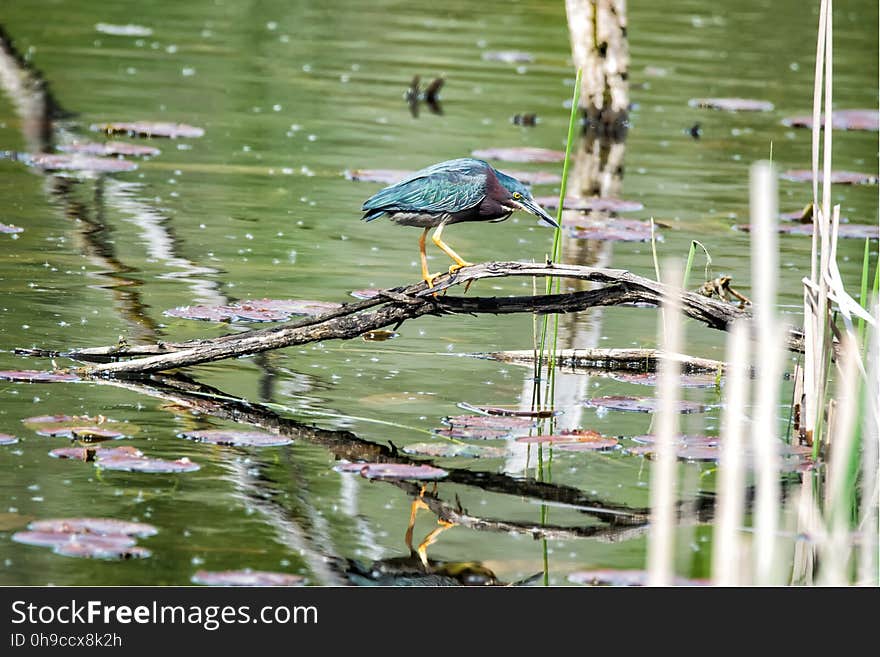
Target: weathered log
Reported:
[(638, 360), (353, 320)]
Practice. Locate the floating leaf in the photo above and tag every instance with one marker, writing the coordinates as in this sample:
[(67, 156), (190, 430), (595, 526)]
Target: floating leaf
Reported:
[(36, 376), (512, 411), (612, 230), (651, 379), (6, 439), (601, 443), (109, 148), (56, 538), (7, 228), (292, 306), (254, 310), (855, 119), (624, 578), (130, 463), (472, 433), (837, 177), (67, 425), (589, 439), (366, 293), (237, 438), (452, 450), (76, 162), (392, 471), (92, 452), (508, 56), (489, 421), (246, 578), (732, 104), (640, 404), (844, 231), (100, 547), (150, 129), (597, 203), (520, 154), (93, 526), (248, 312), (201, 312)]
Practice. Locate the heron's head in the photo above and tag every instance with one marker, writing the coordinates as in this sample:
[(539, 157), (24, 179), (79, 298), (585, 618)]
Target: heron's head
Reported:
[(520, 198)]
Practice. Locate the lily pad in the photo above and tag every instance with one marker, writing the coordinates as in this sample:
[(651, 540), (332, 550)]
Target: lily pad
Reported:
[(130, 463), (291, 306), (7, 439), (150, 129), (393, 471), (109, 148), (508, 56), (651, 379), (640, 404), (56, 538), (10, 229), (511, 411), (732, 104), (597, 203), (93, 452), (366, 293), (36, 376), (844, 231), (237, 438), (452, 450), (854, 119), (246, 578), (76, 162), (612, 230), (100, 547), (80, 427), (837, 177), (520, 154), (489, 422), (603, 443), (93, 526), (624, 578), (253, 310), (592, 439), (473, 433)]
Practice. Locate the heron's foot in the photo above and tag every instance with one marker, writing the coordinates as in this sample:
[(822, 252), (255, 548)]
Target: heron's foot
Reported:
[(422, 550), (417, 504), (430, 278), (460, 265)]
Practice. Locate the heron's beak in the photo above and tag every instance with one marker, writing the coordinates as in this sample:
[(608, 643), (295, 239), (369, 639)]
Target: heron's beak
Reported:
[(529, 205)]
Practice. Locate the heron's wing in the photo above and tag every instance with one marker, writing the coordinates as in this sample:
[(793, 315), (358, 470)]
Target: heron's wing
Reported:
[(429, 191)]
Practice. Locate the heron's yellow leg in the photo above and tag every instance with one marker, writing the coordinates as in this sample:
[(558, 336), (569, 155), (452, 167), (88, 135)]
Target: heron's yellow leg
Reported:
[(417, 504), (422, 550), (428, 278), (443, 246)]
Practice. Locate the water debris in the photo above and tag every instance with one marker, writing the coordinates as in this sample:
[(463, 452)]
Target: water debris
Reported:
[(10, 228), (254, 310), (732, 104), (472, 433), (597, 203), (124, 30), (720, 287), (393, 471), (452, 450), (695, 131), (853, 119), (79, 427), (513, 411), (109, 148), (651, 378), (379, 335), (36, 376), (837, 177), (640, 404), (92, 452), (525, 120), (78, 162), (392, 176), (489, 421), (613, 229), (150, 129), (625, 578), (589, 440), (7, 439), (130, 463), (844, 230), (508, 56), (366, 293), (246, 577), (235, 438), (102, 526), (520, 154), (430, 96)]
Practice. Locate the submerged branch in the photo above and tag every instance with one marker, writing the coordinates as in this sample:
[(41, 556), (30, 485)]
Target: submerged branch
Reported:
[(398, 305)]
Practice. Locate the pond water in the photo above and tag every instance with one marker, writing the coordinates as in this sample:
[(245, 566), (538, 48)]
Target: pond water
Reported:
[(291, 95)]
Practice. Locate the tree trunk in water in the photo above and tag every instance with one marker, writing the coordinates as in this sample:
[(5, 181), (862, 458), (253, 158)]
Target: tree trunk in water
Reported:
[(599, 47)]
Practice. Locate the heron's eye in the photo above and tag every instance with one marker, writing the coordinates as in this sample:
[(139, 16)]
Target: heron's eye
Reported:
[(517, 196)]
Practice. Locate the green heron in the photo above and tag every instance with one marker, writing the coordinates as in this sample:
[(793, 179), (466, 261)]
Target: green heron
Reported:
[(449, 193)]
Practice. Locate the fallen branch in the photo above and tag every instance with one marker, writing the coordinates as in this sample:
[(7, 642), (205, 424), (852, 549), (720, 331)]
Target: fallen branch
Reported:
[(401, 304), (639, 360)]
